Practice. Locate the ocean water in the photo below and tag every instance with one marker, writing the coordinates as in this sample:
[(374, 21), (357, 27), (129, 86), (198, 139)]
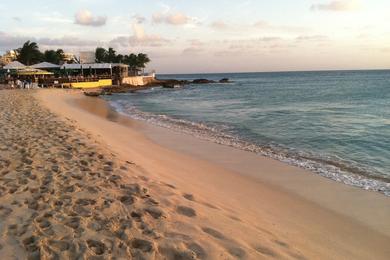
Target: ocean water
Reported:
[(334, 123)]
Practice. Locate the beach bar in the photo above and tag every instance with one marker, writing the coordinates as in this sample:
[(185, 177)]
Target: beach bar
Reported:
[(95, 75)]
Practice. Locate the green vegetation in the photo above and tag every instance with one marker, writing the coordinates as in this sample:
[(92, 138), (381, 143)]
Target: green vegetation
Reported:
[(52, 56), (135, 61), (30, 54)]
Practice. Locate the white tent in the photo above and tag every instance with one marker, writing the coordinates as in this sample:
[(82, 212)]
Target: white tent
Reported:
[(45, 65), (86, 66), (15, 65)]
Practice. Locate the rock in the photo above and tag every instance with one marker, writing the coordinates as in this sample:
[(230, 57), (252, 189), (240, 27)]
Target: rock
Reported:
[(225, 80), (202, 81), (171, 85), (93, 93)]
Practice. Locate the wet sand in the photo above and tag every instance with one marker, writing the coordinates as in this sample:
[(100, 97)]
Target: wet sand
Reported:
[(81, 185)]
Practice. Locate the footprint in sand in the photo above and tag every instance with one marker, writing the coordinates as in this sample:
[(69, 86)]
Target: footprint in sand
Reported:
[(143, 245), (155, 212), (186, 211), (237, 252), (189, 197), (213, 233), (96, 247), (266, 251), (176, 252), (198, 250)]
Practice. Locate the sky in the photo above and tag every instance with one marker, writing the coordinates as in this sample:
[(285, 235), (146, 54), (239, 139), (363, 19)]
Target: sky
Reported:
[(196, 36)]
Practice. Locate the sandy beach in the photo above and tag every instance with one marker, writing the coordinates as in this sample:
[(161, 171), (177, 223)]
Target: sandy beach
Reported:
[(79, 181)]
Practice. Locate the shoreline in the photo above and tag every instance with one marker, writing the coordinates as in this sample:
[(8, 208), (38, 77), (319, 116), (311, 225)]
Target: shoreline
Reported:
[(333, 170), (329, 213)]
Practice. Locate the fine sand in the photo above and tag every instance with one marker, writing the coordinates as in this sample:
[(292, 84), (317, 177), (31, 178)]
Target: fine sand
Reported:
[(86, 183)]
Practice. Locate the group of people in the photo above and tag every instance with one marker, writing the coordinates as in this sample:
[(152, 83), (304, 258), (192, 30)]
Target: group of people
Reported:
[(22, 84)]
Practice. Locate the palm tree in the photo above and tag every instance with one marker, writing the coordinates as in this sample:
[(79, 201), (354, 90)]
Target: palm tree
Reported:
[(111, 55), (142, 60), (101, 55), (61, 55), (119, 58), (29, 54), (52, 56), (131, 60)]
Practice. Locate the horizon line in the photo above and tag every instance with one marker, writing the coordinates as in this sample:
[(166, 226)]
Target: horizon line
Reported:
[(275, 71)]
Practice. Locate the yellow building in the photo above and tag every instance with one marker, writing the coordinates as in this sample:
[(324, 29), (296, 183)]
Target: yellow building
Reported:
[(8, 57)]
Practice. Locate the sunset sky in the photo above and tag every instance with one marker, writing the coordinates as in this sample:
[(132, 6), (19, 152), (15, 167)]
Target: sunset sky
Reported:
[(184, 36)]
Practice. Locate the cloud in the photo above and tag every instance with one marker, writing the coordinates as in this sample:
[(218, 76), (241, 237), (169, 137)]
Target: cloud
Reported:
[(139, 38), (219, 25), (172, 18), (139, 19), (316, 38), (8, 41), (66, 41), (263, 25), (17, 19), (281, 28), (195, 42), (86, 18), (192, 51), (337, 5)]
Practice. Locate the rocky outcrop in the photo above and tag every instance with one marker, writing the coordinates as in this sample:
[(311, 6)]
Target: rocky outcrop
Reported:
[(225, 80), (203, 81)]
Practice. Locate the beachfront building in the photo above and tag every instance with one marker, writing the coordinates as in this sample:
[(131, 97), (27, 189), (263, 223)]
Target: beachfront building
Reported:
[(17, 74), (88, 75), (92, 75), (14, 65), (46, 66), (100, 70), (87, 57), (69, 57), (8, 57)]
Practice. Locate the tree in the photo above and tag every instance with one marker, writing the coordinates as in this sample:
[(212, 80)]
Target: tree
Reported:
[(111, 55), (52, 56), (29, 53), (101, 55), (119, 58), (142, 60), (135, 62), (61, 55), (131, 60)]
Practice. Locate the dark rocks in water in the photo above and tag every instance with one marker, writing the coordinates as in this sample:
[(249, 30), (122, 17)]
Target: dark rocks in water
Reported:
[(93, 93), (117, 89), (171, 85), (202, 81), (225, 80), (168, 85)]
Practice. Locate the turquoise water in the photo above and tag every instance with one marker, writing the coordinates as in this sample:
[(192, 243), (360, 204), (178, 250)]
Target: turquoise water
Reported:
[(335, 123)]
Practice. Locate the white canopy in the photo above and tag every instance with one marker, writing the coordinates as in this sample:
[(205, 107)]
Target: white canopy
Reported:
[(91, 66), (15, 65), (45, 65)]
